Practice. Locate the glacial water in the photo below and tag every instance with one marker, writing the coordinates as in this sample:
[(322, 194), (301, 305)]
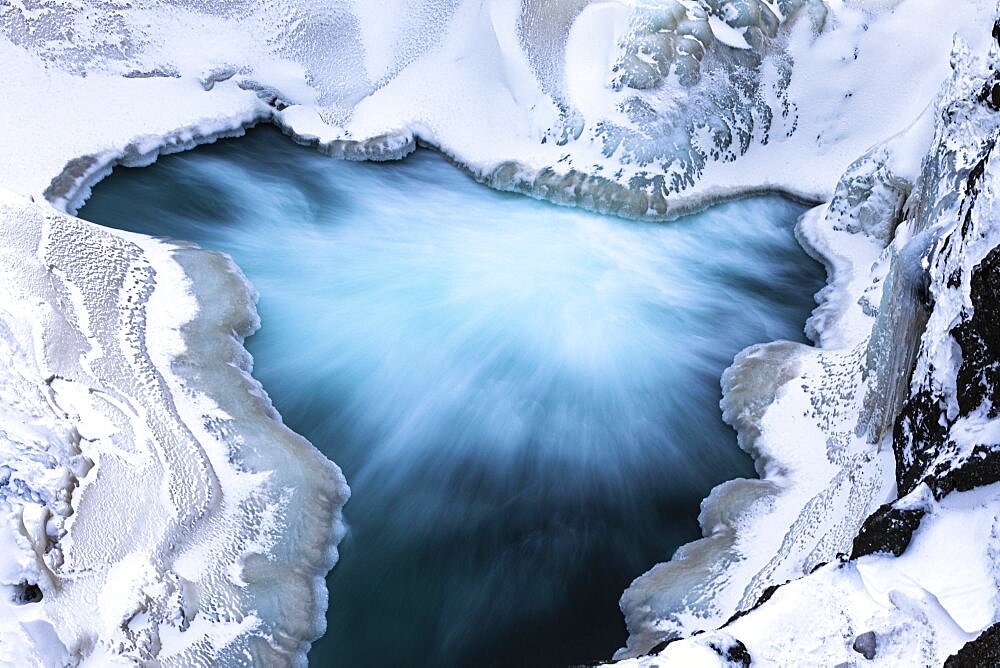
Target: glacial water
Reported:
[(524, 397)]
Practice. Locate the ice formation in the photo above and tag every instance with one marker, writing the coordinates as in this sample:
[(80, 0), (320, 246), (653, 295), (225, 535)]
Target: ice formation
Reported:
[(919, 584), (116, 395), (143, 518)]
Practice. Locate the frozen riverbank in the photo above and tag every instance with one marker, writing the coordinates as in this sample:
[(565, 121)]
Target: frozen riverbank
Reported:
[(134, 487), (516, 97), (524, 398)]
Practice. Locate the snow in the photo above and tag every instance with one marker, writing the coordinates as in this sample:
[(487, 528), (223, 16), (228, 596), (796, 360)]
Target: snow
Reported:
[(941, 592), (466, 83), (123, 465), (921, 607), (726, 34), (110, 402)]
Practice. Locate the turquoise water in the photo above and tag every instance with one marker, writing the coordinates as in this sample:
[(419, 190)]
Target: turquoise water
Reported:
[(524, 397)]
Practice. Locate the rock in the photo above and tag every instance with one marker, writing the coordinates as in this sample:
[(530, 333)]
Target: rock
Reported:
[(27, 592), (888, 529), (983, 651), (866, 645)]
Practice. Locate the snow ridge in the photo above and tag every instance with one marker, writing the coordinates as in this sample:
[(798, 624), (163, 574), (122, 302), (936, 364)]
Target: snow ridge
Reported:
[(918, 585), (641, 109), (128, 491)]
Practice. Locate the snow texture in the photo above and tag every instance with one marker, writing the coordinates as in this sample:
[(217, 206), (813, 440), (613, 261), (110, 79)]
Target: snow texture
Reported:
[(143, 519), (919, 584), (148, 482)]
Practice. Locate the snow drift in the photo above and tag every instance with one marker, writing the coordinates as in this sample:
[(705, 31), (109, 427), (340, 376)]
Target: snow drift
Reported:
[(117, 396)]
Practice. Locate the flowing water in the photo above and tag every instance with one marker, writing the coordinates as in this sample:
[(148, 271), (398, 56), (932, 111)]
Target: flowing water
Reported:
[(523, 397)]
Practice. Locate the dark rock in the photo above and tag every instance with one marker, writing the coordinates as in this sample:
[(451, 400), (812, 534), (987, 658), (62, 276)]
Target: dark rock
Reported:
[(978, 380), (735, 653), (983, 468), (764, 598), (983, 651), (920, 436), (920, 433), (979, 338), (866, 645), (26, 592), (888, 529)]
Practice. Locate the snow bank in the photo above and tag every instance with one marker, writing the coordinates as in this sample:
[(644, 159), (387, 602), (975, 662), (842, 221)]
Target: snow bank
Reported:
[(641, 109), (635, 108), (918, 585), (144, 518)]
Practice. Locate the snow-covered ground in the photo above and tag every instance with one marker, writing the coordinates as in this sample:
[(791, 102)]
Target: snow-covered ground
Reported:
[(148, 483), (152, 505), (921, 578)]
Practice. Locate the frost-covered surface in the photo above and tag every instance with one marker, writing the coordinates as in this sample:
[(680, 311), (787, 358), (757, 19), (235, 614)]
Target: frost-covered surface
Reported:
[(142, 518), (801, 413), (915, 610), (115, 427), (641, 108), (919, 584)]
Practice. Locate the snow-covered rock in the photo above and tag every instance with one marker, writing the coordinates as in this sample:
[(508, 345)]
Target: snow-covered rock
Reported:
[(152, 505), (145, 480), (920, 583)]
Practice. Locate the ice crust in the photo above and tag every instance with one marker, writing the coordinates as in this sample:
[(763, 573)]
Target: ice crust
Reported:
[(146, 479), (917, 588), (635, 108), (156, 521)]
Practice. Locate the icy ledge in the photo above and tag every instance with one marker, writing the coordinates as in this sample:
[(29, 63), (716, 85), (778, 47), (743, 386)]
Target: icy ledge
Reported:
[(642, 109), (153, 505), (918, 583)]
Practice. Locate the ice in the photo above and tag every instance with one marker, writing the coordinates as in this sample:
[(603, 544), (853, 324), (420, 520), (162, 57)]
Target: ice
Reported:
[(668, 113), (552, 88), (915, 610), (917, 592), (138, 497), (491, 372)]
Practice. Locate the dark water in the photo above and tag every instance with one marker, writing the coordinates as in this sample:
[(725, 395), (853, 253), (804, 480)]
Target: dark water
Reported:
[(524, 398)]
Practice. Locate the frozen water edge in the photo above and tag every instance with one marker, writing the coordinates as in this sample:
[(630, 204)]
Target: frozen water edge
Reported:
[(123, 113), (212, 277), (734, 508), (919, 586), (239, 516), (794, 408)]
